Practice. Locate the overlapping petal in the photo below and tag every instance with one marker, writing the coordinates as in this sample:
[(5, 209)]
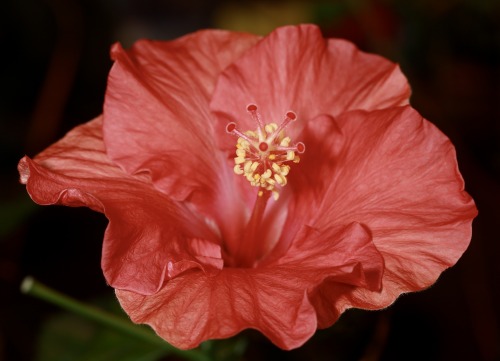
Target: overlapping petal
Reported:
[(275, 299), (396, 173), (157, 120), (150, 238), (156, 114), (295, 68)]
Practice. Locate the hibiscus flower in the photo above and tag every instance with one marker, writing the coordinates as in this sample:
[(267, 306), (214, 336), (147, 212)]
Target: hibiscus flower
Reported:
[(259, 182)]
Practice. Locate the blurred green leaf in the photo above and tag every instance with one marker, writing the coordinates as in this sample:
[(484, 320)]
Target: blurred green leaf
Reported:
[(229, 349), (68, 337)]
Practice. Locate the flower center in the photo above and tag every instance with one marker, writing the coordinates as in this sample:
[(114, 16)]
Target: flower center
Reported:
[(264, 155)]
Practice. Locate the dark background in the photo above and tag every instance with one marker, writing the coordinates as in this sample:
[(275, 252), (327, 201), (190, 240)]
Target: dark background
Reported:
[(54, 63)]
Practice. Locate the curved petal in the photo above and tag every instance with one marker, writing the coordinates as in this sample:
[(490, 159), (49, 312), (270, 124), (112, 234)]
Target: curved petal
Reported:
[(157, 121), (295, 68), (149, 236), (397, 174), (156, 113), (196, 307), (274, 299), (345, 253)]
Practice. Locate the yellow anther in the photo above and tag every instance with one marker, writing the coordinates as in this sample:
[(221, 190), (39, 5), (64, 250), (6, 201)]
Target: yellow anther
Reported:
[(247, 166), (285, 169), (260, 194), (237, 169), (290, 155), (241, 153), (242, 144), (254, 166), (267, 174), (285, 142), (239, 160), (276, 195), (270, 128), (256, 176), (276, 167), (272, 156), (280, 179)]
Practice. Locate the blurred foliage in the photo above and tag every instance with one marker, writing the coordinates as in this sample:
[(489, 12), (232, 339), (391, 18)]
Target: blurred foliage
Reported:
[(68, 337)]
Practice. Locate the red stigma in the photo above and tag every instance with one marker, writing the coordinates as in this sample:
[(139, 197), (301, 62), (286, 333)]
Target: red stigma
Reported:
[(291, 115), (301, 148), (263, 146), (251, 107)]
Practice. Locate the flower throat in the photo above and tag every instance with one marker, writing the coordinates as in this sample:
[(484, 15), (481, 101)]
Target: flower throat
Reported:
[(263, 157)]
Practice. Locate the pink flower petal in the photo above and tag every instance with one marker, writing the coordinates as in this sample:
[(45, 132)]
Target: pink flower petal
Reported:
[(274, 299), (295, 68), (397, 174), (222, 305), (156, 114), (157, 121), (150, 238), (317, 251)]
